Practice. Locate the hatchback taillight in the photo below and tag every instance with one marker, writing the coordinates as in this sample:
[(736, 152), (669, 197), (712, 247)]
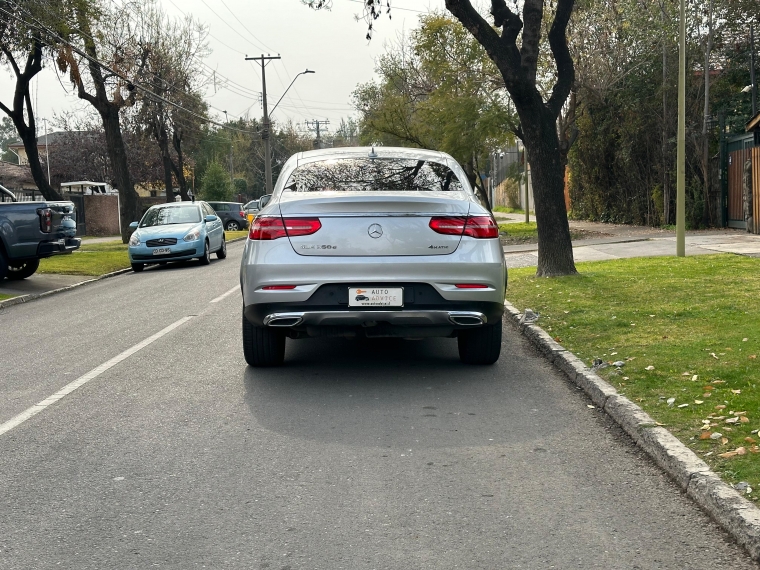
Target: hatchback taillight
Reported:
[(481, 227), (275, 228), (242, 213)]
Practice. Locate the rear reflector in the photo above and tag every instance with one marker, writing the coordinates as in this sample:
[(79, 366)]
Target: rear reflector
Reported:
[(275, 228), (279, 287), (480, 227), (471, 286)]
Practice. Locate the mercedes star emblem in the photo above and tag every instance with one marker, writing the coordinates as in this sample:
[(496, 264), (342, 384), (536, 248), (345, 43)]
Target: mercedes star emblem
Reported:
[(375, 231)]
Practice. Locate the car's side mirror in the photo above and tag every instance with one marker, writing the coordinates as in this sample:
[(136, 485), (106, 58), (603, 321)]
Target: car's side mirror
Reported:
[(210, 218), (134, 225), (264, 200)]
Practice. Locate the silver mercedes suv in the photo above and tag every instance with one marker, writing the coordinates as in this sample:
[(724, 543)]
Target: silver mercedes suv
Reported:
[(372, 242)]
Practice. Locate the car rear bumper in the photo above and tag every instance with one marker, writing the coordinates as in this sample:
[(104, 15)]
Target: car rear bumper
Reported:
[(57, 247)]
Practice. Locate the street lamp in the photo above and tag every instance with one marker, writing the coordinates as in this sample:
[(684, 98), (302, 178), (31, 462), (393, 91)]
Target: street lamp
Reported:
[(289, 86)]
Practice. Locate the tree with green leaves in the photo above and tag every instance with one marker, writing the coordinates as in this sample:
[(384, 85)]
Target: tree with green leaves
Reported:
[(513, 41), (216, 185), (438, 89)]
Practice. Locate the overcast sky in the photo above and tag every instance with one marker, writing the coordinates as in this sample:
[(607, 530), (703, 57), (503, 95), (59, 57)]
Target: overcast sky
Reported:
[(332, 43)]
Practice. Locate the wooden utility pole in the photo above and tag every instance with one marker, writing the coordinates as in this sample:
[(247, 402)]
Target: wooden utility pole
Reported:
[(265, 131)]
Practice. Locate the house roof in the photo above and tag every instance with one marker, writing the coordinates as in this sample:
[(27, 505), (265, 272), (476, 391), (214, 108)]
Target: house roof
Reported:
[(50, 139), (15, 176)]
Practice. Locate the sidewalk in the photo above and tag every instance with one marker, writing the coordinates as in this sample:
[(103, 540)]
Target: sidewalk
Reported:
[(634, 241)]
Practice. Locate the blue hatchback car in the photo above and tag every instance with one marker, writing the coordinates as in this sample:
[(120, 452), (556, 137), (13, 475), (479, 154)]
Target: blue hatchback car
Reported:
[(176, 231)]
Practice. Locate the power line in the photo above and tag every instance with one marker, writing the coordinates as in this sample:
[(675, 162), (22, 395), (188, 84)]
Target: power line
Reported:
[(135, 85)]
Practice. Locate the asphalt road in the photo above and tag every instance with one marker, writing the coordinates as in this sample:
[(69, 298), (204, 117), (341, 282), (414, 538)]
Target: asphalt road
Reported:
[(354, 455)]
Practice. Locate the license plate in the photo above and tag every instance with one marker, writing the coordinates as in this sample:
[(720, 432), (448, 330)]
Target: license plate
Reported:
[(162, 251), (376, 297)]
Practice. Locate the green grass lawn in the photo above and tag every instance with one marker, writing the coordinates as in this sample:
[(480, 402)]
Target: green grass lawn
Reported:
[(4, 297), (90, 259), (505, 210), (688, 330), (520, 230), (95, 259)]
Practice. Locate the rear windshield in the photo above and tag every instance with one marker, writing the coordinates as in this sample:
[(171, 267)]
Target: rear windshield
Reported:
[(373, 175), (171, 215)]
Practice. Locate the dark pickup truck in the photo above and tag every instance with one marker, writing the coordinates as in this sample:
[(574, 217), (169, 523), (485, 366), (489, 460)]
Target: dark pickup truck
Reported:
[(30, 231)]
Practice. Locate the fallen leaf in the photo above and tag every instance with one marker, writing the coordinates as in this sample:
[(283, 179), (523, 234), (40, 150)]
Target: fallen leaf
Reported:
[(728, 454), (754, 449), (706, 395), (716, 435), (686, 374), (650, 367), (651, 315), (736, 391), (709, 388), (741, 451), (714, 356), (732, 420), (718, 381), (744, 419), (739, 413), (705, 435), (683, 405), (720, 407), (699, 401), (749, 440), (694, 378), (723, 440), (671, 401), (745, 339), (590, 406)]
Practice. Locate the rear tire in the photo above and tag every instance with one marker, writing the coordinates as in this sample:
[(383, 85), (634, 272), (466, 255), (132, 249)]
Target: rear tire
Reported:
[(221, 253), (481, 345), (23, 270), (206, 259), (137, 267), (233, 226), (262, 346)]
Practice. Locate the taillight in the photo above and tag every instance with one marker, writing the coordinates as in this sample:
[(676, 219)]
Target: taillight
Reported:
[(302, 226), (450, 226), (242, 213), (481, 227), (473, 226), (46, 220), (275, 228)]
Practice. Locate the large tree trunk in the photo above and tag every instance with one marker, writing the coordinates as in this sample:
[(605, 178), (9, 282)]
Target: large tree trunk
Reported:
[(179, 168), (117, 154), (555, 252)]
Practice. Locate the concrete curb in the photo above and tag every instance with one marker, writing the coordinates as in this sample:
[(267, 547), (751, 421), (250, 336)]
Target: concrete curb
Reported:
[(738, 516), (34, 296)]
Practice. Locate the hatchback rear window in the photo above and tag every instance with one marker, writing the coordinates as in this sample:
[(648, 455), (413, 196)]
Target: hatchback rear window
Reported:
[(373, 175), (171, 215)]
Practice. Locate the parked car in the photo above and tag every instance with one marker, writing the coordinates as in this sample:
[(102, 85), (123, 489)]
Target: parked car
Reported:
[(385, 242), (251, 209), (176, 231), (30, 231), (232, 214)]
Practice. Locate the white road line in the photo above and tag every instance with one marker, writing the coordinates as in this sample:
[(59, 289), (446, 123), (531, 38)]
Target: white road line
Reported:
[(227, 294), (82, 380)]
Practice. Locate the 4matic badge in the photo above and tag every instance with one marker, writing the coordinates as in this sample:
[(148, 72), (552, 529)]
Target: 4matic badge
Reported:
[(438, 247)]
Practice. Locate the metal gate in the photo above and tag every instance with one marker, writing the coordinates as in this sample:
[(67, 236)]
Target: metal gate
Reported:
[(78, 200)]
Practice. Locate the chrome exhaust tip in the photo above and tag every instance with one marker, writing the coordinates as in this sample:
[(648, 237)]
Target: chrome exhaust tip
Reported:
[(283, 319), (467, 318)]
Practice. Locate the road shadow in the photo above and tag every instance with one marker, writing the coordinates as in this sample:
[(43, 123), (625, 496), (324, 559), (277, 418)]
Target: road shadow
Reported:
[(390, 392)]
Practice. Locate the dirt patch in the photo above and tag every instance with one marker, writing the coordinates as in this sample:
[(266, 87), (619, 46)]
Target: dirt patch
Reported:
[(575, 235)]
